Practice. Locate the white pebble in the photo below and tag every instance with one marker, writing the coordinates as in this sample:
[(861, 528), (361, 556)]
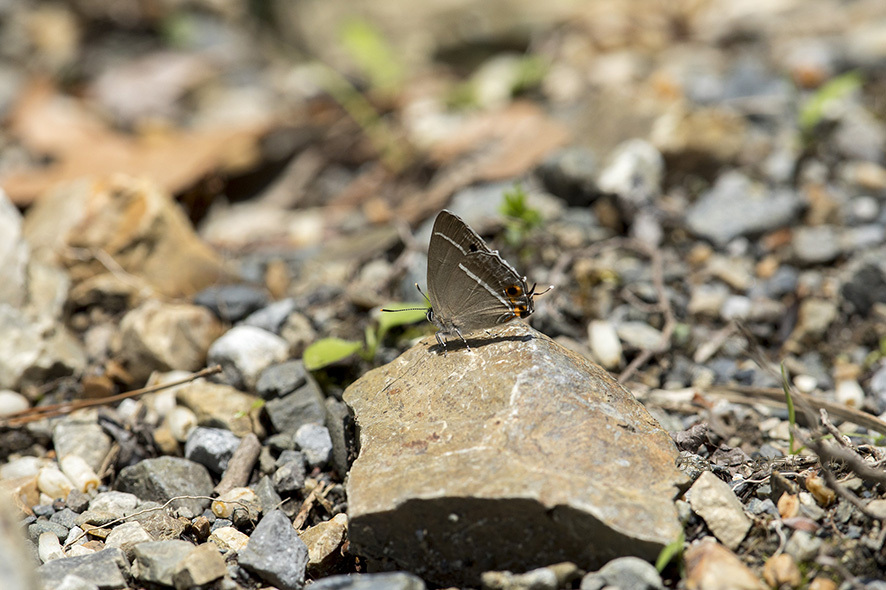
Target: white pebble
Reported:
[(12, 402), (181, 422), (805, 383), (79, 472), (48, 547), (54, 483), (604, 343), (849, 393)]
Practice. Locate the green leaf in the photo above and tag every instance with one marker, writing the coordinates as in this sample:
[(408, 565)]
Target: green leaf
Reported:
[(816, 107), (669, 552), (327, 351)]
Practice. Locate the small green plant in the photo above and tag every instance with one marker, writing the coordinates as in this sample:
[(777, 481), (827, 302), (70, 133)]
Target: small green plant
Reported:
[(792, 414), (328, 351), (254, 406), (371, 52), (671, 552), (520, 218), (816, 107)]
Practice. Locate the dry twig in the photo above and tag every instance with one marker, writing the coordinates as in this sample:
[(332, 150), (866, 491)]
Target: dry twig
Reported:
[(51, 410)]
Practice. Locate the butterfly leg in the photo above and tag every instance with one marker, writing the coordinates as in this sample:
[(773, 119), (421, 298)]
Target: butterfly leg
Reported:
[(457, 331)]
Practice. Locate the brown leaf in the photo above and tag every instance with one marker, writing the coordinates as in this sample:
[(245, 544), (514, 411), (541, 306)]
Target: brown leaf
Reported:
[(81, 145)]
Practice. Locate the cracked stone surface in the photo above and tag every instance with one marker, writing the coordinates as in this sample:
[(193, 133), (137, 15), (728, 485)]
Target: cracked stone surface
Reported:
[(512, 454)]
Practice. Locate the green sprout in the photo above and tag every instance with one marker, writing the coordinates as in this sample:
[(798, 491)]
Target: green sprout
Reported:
[(792, 414), (673, 551), (328, 351), (816, 107), (520, 218)]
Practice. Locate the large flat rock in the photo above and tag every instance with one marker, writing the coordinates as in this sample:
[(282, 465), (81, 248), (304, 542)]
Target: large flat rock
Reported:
[(512, 454)]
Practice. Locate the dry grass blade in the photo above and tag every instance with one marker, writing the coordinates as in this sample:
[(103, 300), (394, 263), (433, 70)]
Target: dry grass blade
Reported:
[(48, 411)]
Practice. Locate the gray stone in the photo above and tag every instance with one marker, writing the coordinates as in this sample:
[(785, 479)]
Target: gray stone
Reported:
[(72, 582), (735, 206), (96, 518), (268, 497), (46, 526), (624, 572), (639, 335), (211, 447), (783, 282), (383, 581), (465, 438), (537, 579), (65, 517), (35, 351), (271, 317), (815, 244), (570, 174), (156, 562), (339, 423), (303, 406), (275, 553), (158, 523), (44, 510), (244, 352), (232, 303), (127, 536), (105, 569), (163, 478), (203, 565), (117, 504), (713, 500), (634, 172), (80, 434), (77, 501), (803, 546), (290, 475), (159, 336), (281, 379), (865, 287), (315, 442)]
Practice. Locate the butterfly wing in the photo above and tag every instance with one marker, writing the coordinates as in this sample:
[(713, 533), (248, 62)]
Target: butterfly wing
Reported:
[(469, 285)]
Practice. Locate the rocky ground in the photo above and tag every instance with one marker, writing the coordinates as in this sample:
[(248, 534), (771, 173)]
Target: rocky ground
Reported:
[(205, 206)]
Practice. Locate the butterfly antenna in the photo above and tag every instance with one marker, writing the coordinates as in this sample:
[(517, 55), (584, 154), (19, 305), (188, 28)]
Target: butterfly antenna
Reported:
[(423, 294), (532, 292), (411, 308)]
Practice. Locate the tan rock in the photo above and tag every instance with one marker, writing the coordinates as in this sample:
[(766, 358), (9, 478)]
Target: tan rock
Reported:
[(711, 566), (227, 538), (512, 454), (781, 571), (324, 544), (204, 564), (127, 227), (165, 336), (713, 500), (222, 406), (822, 584)]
